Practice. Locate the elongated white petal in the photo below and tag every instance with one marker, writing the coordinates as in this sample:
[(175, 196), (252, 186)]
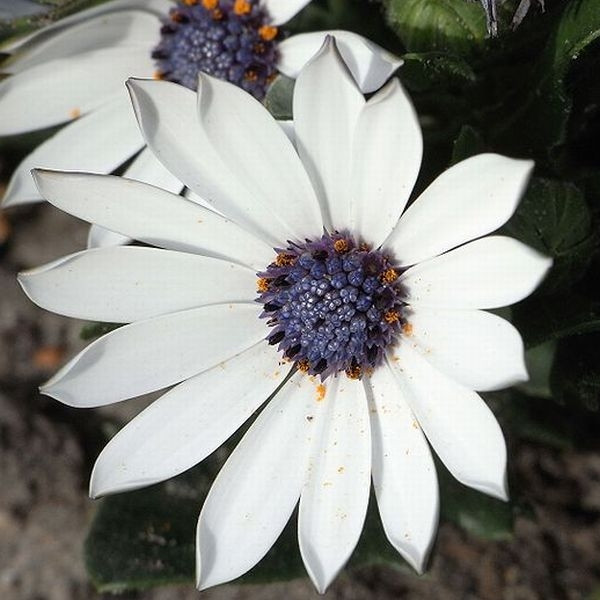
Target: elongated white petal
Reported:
[(282, 11), (153, 354), (334, 502), (185, 425), (244, 134), (476, 348), (147, 169), (388, 147), (404, 474), (99, 142), (158, 8), (167, 115), (151, 215), (457, 422), (256, 491), (487, 273), (327, 105), (471, 199), (370, 65), (131, 283), (126, 29), (63, 89), (288, 129)]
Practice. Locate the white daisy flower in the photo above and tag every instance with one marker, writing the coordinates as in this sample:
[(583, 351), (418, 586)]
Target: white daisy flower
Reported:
[(375, 317), (74, 71)]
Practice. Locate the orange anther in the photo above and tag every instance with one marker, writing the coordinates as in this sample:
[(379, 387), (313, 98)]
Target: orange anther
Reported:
[(210, 4), (262, 284), (389, 276), (242, 7), (341, 246), (268, 32)]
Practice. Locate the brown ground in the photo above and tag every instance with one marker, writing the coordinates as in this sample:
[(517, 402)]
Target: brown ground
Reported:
[(47, 450)]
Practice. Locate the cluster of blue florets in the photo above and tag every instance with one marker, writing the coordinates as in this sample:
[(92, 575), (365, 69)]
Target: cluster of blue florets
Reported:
[(333, 305), (228, 39)]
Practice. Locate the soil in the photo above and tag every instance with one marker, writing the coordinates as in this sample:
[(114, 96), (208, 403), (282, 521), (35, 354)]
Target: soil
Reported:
[(47, 451)]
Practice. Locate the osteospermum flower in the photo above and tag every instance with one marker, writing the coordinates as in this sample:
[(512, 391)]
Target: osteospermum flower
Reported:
[(73, 72), (362, 327)]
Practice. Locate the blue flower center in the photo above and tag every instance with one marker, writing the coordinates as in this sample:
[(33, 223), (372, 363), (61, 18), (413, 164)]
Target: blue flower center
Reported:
[(333, 305), (228, 39)]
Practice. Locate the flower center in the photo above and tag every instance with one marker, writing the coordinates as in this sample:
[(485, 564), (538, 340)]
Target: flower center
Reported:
[(333, 305), (229, 39)]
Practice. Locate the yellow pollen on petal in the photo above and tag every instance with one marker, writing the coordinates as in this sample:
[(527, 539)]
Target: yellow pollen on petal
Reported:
[(74, 113), (389, 276), (242, 7), (391, 316), (268, 32), (262, 284), (341, 246), (158, 75), (210, 4), (321, 391), (407, 329)]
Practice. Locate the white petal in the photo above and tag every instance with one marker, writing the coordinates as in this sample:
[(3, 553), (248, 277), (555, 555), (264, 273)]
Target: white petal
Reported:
[(334, 502), (125, 29), (99, 142), (282, 11), (131, 283), (370, 65), (327, 105), (100, 237), (457, 422), (471, 199), (388, 147), (256, 491), (167, 115), (63, 89), (478, 349), (288, 129), (151, 215), (404, 475), (487, 273), (153, 354), (26, 43), (147, 169), (185, 425), (244, 134)]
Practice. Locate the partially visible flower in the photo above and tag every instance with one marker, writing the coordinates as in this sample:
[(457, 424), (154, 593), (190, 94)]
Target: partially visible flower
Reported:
[(376, 337), (74, 70)]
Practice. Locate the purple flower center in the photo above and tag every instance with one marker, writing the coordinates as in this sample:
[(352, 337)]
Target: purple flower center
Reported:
[(333, 305), (228, 39)]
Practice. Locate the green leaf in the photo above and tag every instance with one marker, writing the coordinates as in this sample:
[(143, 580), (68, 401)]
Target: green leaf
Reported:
[(575, 377), (543, 106), (553, 218), (478, 514), (279, 97), (549, 318), (453, 26), (468, 143), (427, 70)]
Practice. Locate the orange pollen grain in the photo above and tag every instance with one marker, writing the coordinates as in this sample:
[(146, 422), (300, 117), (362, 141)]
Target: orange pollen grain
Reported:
[(262, 284), (407, 329), (389, 276), (341, 246), (321, 391), (190, 2), (353, 372), (158, 75), (217, 14), (210, 4), (241, 7), (303, 366), (391, 316), (250, 75), (284, 260), (268, 32), (74, 113)]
